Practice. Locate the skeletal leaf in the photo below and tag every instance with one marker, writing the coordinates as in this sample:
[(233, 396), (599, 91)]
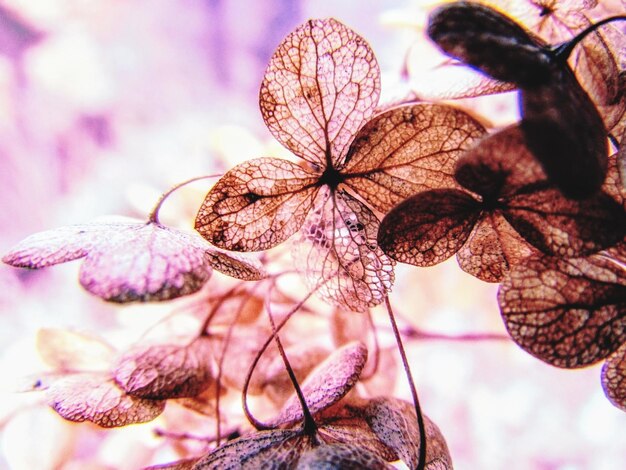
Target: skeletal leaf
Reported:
[(321, 84), (97, 398), (274, 449), (70, 351), (406, 150), (395, 423), (327, 383), (257, 205), (124, 262), (337, 251), (165, 371), (341, 456), (614, 378), (567, 312)]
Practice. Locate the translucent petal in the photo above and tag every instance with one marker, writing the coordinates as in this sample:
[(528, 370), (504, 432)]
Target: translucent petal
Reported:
[(321, 84), (257, 205), (338, 254), (406, 150)]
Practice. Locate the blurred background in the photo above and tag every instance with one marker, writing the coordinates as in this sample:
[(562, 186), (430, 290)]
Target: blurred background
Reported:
[(106, 104)]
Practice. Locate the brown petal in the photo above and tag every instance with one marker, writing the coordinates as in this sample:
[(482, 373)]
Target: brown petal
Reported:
[(492, 248), (429, 227), (166, 371), (491, 42), (327, 384), (614, 378), (395, 423), (337, 251), (275, 449), (563, 129), (568, 313), (236, 265), (341, 456), (183, 464), (257, 205), (321, 84), (95, 398), (406, 150)]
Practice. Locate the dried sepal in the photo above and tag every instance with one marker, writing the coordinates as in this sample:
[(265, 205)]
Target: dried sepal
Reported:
[(237, 265), (273, 449), (406, 150), (124, 262), (337, 252), (429, 227), (341, 456), (328, 383), (97, 398), (321, 84), (492, 248), (165, 371), (394, 422), (614, 378), (567, 312), (71, 351), (257, 205), (491, 42)]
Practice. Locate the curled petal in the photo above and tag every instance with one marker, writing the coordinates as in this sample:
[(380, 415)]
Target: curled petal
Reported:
[(568, 313), (321, 84), (429, 227), (406, 150), (565, 132), (491, 42), (337, 251), (257, 205), (327, 383)]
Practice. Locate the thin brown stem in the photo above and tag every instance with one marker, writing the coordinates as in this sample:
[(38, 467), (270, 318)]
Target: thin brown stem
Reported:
[(421, 463), (154, 215), (255, 422), (563, 51), (416, 333), (309, 423)]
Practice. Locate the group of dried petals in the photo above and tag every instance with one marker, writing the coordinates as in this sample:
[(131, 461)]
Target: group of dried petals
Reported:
[(318, 98), (530, 212), (349, 432)]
